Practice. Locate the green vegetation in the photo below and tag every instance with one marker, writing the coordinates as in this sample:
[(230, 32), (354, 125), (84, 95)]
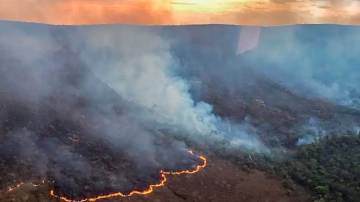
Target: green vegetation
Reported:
[(329, 168)]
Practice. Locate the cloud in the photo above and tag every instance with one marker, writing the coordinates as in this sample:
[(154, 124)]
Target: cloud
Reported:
[(87, 11), (259, 12)]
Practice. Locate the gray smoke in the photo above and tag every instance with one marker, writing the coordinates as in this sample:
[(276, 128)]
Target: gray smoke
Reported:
[(315, 61), (113, 90), (311, 132), (139, 66)]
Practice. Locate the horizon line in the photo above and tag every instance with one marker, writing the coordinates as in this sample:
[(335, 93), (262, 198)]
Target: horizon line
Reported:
[(175, 25)]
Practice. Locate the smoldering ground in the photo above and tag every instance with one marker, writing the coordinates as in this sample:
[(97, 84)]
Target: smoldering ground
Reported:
[(98, 104)]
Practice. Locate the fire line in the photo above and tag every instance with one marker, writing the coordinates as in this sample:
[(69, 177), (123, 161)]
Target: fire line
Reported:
[(17, 186), (10, 189), (149, 190)]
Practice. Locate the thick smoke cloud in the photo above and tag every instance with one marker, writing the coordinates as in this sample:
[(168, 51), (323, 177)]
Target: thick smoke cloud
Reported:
[(140, 69), (279, 77), (314, 61), (146, 75), (96, 101), (133, 95)]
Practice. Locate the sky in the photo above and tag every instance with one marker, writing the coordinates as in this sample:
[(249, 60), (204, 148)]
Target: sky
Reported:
[(178, 12)]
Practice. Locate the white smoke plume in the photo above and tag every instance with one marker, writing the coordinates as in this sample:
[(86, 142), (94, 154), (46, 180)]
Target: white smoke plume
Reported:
[(141, 69), (311, 132), (138, 65), (45, 67)]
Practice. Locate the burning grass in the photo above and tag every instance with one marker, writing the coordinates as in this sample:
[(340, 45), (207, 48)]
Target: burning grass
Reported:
[(150, 189)]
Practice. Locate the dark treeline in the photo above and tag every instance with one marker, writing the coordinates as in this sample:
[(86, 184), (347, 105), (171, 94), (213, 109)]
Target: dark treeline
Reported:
[(329, 168)]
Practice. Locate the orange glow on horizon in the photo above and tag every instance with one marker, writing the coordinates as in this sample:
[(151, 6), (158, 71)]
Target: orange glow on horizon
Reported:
[(70, 12), (177, 12)]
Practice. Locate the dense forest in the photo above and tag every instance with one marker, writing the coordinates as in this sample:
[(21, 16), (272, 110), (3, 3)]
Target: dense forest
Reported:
[(329, 168)]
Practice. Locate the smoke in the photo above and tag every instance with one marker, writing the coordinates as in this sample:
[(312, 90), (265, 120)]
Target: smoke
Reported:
[(115, 98), (316, 63), (54, 107), (140, 69), (280, 77), (115, 104), (313, 61), (102, 103), (311, 132), (146, 75)]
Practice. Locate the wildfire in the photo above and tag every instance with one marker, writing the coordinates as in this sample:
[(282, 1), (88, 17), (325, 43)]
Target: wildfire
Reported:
[(10, 189), (149, 190), (20, 184)]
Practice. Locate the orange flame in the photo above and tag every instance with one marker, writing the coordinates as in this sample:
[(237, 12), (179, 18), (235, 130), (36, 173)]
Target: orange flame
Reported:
[(10, 189), (147, 191), (20, 184)]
